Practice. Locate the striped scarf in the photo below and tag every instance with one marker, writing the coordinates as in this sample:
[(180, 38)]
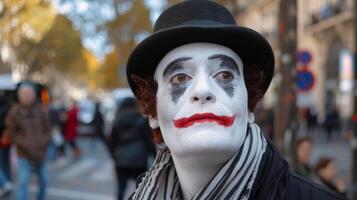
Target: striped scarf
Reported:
[(233, 181)]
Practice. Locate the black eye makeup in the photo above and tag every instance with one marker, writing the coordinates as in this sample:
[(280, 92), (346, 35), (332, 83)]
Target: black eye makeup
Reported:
[(175, 73), (175, 65), (179, 80), (226, 61), (228, 68), (179, 84)]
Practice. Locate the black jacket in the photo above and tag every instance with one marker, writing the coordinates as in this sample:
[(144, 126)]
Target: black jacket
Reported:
[(98, 123), (276, 182), (130, 142)]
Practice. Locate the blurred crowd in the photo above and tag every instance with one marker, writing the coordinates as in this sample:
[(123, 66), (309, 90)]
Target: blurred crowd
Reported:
[(322, 172), (42, 132), (329, 126)]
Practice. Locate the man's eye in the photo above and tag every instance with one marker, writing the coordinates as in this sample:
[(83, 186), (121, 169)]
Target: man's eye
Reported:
[(224, 76), (180, 78)]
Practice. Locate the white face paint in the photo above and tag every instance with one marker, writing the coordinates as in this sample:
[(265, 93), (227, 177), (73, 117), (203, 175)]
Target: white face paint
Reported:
[(202, 100)]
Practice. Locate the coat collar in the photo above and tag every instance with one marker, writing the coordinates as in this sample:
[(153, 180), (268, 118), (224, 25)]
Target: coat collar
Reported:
[(272, 177)]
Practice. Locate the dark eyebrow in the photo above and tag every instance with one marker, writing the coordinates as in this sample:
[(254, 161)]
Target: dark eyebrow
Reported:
[(174, 65), (226, 61)]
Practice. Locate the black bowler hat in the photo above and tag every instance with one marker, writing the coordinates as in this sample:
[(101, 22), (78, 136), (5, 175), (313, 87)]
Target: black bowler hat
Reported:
[(200, 21)]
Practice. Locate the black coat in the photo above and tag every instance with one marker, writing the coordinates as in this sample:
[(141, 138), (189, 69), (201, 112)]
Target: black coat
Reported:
[(130, 142), (276, 182), (98, 123)]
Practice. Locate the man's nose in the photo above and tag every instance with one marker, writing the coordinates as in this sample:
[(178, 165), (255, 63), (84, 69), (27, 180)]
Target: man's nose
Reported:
[(203, 92)]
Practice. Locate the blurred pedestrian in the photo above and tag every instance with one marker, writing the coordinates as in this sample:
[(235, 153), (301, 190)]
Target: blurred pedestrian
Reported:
[(29, 130), (331, 122), (130, 144), (71, 126), (311, 118), (5, 143), (56, 113), (325, 169), (303, 153), (98, 122)]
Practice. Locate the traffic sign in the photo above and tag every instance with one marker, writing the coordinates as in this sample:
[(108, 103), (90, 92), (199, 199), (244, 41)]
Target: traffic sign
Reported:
[(305, 80), (304, 57)]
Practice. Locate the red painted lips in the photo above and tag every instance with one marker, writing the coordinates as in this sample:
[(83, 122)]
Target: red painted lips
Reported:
[(204, 117)]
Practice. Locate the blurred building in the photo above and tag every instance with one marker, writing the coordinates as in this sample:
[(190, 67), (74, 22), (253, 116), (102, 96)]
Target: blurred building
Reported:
[(325, 29)]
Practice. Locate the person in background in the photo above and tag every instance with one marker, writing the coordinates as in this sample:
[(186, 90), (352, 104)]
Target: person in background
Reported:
[(56, 112), (130, 144), (62, 122), (331, 122), (71, 125), (98, 122), (311, 118), (325, 169), (5, 145), (30, 131), (303, 152)]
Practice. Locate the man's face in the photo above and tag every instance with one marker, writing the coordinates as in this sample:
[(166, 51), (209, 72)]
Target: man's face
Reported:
[(26, 95), (304, 152), (329, 172), (202, 100)]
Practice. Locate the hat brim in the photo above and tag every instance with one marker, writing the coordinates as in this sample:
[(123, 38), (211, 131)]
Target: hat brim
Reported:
[(251, 46)]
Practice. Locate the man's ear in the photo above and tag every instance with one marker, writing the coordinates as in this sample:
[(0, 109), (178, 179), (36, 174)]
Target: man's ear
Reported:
[(154, 125), (153, 122), (251, 117)]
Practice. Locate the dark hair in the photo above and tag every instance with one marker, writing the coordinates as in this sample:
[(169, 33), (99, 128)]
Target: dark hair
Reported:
[(302, 140), (322, 163), (253, 78), (147, 88)]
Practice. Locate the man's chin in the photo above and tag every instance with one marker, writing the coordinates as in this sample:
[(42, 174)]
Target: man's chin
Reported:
[(205, 152), (204, 138), (205, 143)]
